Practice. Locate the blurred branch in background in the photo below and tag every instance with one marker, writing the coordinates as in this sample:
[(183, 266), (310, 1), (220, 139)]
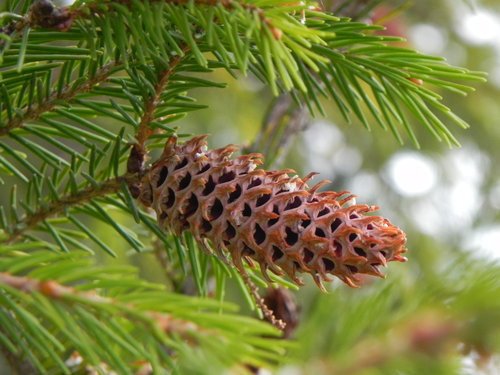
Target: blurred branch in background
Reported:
[(282, 123)]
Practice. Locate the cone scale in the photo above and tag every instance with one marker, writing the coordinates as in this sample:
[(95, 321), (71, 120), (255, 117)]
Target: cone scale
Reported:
[(267, 217)]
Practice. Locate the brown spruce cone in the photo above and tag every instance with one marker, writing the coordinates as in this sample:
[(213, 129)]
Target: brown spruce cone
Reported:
[(267, 216)]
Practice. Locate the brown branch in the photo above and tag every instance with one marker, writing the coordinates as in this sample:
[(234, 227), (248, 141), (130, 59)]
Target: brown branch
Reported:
[(66, 95), (138, 152), (32, 220), (144, 131), (283, 121), (259, 301)]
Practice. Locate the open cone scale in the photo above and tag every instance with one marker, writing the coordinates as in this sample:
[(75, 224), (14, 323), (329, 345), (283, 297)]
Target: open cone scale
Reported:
[(267, 217)]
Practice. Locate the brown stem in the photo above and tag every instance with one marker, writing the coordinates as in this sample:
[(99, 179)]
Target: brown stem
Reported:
[(55, 98), (259, 301), (32, 220), (145, 131), (138, 152)]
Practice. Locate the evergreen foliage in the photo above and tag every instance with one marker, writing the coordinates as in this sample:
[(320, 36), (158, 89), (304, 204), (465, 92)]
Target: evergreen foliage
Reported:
[(88, 94)]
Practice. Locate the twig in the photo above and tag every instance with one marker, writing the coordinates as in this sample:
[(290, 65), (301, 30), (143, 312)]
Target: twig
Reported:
[(138, 152), (259, 301), (66, 95), (56, 291), (283, 121), (144, 131), (53, 290), (106, 187)]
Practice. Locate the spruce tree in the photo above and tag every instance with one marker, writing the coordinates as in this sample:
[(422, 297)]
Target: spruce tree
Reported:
[(91, 94)]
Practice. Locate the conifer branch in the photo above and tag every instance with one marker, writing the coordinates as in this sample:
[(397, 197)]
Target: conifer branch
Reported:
[(56, 291), (106, 187), (55, 98), (44, 14), (293, 47), (112, 317)]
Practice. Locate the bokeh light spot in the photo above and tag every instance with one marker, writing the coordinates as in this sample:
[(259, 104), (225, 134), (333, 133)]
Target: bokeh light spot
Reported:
[(481, 27), (411, 174)]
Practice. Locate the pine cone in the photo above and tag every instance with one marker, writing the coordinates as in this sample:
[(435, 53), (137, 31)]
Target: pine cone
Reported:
[(267, 217)]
